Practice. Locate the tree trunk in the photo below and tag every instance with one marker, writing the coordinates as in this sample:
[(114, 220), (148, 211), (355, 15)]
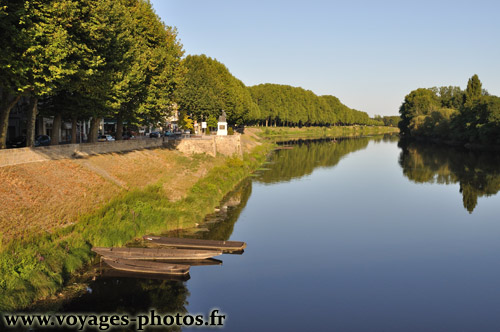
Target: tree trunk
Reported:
[(8, 101), (74, 124), (30, 128), (94, 130), (56, 128), (267, 121), (119, 128)]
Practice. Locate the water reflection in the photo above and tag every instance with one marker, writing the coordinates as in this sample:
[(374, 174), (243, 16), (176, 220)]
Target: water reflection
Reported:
[(477, 172), (306, 155), (220, 224)]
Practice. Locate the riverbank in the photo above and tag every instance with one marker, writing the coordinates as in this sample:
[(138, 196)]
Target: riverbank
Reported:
[(322, 132), (109, 200), (140, 200)]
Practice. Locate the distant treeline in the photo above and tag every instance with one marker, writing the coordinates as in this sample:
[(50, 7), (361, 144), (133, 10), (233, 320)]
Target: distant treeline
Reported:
[(450, 114), (209, 87)]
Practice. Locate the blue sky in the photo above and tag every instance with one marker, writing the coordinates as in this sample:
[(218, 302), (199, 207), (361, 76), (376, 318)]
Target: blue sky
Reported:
[(370, 54)]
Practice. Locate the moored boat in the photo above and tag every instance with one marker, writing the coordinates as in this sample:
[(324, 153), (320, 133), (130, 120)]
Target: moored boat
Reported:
[(196, 243), (146, 266), (157, 253)]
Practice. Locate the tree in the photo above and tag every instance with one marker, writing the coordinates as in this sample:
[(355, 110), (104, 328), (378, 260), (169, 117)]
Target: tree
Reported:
[(209, 87), (419, 102), (212, 121), (185, 121), (473, 91)]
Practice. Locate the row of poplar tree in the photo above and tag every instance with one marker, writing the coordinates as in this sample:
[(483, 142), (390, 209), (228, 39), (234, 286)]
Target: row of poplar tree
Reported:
[(88, 59)]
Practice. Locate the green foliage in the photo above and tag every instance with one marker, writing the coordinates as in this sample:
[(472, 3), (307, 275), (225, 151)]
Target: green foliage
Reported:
[(473, 91), (185, 121), (447, 113), (284, 133), (89, 58), (209, 88), (290, 106), (390, 121), (212, 121)]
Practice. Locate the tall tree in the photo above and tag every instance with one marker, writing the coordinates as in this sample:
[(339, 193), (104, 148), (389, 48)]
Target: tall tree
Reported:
[(473, 91), (209, 88)]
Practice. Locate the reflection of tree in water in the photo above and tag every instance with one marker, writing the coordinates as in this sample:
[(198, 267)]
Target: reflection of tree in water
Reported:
[(307, 155), (477, 172), (220, 225)]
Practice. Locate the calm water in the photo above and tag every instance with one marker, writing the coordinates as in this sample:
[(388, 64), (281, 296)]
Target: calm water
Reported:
[(353, 235)]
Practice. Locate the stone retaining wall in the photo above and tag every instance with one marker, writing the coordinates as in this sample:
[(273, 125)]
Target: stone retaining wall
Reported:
[(226, 145)]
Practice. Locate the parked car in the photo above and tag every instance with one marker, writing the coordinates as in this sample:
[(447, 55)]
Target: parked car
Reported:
[(105, 138), (155, 134), (18, 142), (42, 140), (168, 133), (127, 136)]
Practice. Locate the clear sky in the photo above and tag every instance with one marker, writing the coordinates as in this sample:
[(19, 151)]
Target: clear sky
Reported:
[(370, 54)]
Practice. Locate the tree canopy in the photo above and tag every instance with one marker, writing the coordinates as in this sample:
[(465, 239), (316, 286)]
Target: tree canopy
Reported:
[(88, 58), (452, 114), (291, 106), (209, 88)]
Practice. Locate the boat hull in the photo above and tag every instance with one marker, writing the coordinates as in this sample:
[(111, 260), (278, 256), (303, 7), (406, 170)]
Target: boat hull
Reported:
[(156, 253), (196, 243), (146, 266)]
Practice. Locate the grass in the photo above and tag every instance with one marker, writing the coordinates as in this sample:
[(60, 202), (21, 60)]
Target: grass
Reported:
[(38, 266), (318, 132)]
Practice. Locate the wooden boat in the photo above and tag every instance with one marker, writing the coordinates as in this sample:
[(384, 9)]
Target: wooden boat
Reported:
[(156, 253), (196, 243), (130, 265), (109, 272)]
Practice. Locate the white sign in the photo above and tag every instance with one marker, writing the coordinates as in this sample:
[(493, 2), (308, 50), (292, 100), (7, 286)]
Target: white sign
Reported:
[(203, 125)]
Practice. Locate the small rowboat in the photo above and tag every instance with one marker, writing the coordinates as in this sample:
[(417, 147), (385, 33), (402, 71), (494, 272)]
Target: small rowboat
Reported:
[(146, 266), (156, 253), (196, 243), (109, 272)]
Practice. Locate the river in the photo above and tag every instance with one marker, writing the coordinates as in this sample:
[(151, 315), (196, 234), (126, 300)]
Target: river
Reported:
[(360, 234)]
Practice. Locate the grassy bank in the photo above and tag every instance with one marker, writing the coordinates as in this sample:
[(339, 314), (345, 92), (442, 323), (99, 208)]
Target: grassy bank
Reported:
[(319, 132), (37, 267)]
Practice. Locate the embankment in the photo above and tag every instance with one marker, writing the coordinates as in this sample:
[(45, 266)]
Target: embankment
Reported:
[(323, 132), (102, 200)]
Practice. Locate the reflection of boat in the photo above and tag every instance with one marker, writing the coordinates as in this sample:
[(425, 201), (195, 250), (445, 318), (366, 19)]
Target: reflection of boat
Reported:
[(196, 243), (201, 262), (107, 272), (146, 266), (156, 253)]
